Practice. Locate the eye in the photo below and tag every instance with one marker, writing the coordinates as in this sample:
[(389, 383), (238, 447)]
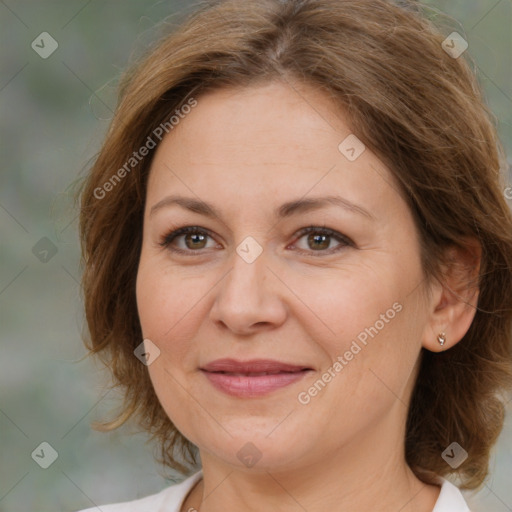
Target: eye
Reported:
[(318, 239), (195, 238)]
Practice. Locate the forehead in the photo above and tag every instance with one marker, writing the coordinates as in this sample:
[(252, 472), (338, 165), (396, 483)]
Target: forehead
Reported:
[(248, 145)]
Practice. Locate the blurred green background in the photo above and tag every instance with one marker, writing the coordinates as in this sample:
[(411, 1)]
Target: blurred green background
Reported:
[(54, 113)]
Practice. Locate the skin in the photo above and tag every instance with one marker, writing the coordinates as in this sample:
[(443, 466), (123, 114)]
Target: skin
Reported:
[(247, 151)]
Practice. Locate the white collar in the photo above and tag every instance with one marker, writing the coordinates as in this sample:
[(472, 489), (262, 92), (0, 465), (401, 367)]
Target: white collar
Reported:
[(450, 498)]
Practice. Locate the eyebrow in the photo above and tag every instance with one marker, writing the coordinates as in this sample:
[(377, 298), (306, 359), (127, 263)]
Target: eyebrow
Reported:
[(286, 210)]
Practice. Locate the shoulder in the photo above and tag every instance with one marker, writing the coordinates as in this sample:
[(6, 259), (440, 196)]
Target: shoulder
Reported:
[(450, 498), (169, 499)]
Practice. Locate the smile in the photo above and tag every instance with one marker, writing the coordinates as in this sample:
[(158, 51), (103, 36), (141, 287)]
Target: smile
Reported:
[(252, 378)]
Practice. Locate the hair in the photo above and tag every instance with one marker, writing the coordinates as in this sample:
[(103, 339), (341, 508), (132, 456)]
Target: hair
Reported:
[(416, 107)]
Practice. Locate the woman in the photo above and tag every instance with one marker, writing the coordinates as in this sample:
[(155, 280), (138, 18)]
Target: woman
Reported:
[(298, 260)]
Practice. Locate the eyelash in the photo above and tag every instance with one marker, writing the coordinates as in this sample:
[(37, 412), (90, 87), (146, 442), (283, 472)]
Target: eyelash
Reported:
[(171, 236)]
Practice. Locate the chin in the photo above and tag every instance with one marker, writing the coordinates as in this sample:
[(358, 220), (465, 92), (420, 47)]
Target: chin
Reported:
[(257, 452)]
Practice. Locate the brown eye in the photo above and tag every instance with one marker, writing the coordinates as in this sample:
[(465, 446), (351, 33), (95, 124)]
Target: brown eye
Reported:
[(319, 240), (194, 239)]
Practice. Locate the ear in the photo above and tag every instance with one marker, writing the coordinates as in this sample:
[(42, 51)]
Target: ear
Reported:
[(454, 297)]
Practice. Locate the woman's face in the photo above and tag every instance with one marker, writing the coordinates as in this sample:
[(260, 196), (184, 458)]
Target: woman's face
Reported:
[(344, 303)]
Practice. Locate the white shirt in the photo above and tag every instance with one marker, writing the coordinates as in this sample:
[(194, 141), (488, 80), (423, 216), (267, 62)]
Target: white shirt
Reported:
[(171, 499)]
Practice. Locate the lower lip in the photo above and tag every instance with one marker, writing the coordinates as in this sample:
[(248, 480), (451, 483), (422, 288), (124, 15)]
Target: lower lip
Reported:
[(247, 386)]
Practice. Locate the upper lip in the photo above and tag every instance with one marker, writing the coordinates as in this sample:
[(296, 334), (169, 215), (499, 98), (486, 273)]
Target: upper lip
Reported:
[(252, 366)]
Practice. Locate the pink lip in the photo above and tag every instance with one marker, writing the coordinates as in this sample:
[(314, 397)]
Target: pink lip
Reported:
[(244, 379)]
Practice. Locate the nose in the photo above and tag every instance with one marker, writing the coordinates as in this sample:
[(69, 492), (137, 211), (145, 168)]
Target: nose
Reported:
[(250, 297)]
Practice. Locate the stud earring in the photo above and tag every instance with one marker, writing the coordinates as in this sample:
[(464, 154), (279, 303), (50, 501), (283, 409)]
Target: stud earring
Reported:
[(441, 338)]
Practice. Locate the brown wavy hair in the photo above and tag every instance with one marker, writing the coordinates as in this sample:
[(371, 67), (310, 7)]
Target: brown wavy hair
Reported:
[(420, 110)]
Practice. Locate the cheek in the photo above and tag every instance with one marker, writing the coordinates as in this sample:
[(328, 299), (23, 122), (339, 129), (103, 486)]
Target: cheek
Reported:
[(371, 371), (172, 306), (380, 357), (166, 299), (343, 304), (164, 310), (373, 321)]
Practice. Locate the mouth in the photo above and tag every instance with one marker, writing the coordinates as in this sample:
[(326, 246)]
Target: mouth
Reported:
[(255, 374), (253, 367), (252, 378)]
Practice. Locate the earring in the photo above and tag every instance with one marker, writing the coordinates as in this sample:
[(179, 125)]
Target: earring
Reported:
[(441, 338)]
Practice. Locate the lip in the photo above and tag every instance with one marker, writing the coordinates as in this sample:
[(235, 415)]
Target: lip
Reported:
[(253, 378)]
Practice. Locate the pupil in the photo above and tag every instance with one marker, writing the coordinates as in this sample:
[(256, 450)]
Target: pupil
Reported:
[(196, 238), (319, 238)]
